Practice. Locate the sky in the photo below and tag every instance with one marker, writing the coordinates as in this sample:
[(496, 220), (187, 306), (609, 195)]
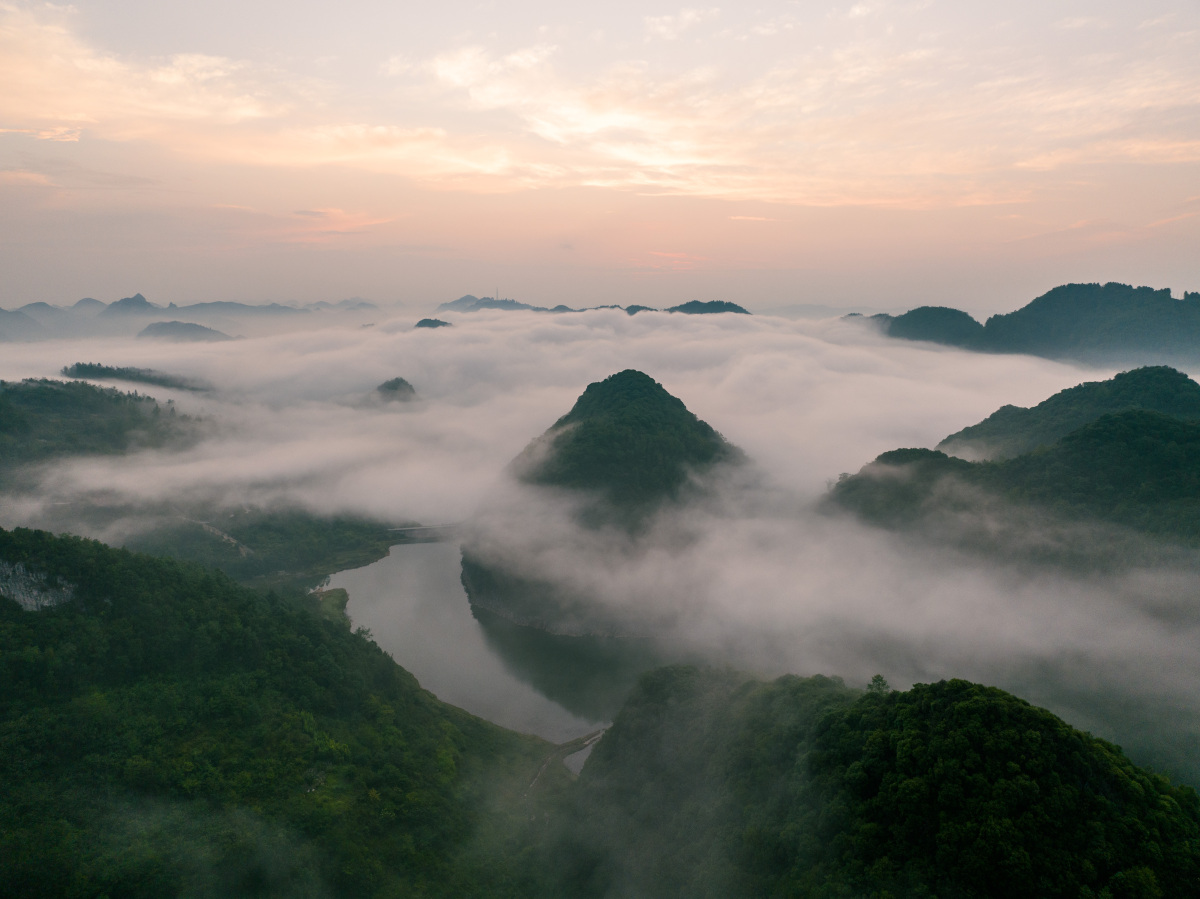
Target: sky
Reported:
[(858, 154)]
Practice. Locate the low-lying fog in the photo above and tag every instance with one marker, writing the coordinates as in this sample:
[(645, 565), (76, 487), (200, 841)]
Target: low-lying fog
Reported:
[(773, 585)]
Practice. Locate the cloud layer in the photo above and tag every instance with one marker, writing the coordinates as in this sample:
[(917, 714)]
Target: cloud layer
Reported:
[(763, 580), (881, 104)]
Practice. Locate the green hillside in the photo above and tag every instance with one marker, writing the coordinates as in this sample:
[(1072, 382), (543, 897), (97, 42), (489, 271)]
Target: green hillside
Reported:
[(626, 448), (626, 439), (1013, 430), (42, 420), (166, 732), (264, 547), (712, 784), (939, 324), (1093, 320), (97, 371), (1135, 468)]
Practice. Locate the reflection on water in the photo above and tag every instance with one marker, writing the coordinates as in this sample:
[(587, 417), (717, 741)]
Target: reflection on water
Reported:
[(591, 676), (414, 605)]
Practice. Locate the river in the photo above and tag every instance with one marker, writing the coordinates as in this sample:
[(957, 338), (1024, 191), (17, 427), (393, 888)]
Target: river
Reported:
[(416, 609)]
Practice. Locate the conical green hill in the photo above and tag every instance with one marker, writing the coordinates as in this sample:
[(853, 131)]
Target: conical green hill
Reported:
[(627, 438)]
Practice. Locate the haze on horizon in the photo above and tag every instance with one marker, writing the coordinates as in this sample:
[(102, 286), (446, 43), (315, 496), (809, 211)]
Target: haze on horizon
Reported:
[(880, 154)]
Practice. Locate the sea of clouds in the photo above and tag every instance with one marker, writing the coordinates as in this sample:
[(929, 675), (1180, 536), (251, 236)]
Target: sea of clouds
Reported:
[(761, 579)]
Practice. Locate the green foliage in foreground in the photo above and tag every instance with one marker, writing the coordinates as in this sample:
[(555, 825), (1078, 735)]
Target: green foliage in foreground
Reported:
[(270, 548), (95, 370), (42, 420), (628, 439), (1013, 430), (712, 784), (167, 732), (1136, 468)]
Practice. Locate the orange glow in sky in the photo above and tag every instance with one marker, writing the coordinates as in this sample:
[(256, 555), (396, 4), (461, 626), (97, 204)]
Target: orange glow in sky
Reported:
[(874, 154)]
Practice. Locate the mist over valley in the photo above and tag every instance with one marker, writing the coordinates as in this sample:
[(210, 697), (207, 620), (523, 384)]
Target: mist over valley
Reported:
[(599, 451)]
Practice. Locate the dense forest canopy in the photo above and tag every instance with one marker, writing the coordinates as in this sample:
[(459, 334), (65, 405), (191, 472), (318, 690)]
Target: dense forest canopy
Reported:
[(43, 419), (164, 731), (1136, 468), (628, 439), (939, 324), (1013, 430), (711, 783)]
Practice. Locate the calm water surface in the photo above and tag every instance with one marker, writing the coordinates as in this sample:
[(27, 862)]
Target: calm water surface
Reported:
[(416, 609)]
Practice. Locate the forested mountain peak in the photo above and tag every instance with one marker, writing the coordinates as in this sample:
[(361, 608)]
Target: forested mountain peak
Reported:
[(1136, 468), (1013, 430), (628, 437)]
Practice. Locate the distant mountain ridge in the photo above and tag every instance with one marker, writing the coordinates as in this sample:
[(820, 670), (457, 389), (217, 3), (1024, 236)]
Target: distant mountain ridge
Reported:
[(1123, 452), (168, 732), (471, 303), (1074, 321), (182, 331), (19, 326), (90, 317)]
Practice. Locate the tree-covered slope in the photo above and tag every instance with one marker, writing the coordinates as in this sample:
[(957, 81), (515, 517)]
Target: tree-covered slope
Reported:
[(42, 420), (939, 324), (97, 371), (1013, 430), (626, 449), (628, 439), (264, 547), (1093, 320), (166, 732), (713, 784), (1135, 468)]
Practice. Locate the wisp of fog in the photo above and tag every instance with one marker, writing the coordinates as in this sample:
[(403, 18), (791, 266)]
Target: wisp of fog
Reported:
[(762, 578)]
